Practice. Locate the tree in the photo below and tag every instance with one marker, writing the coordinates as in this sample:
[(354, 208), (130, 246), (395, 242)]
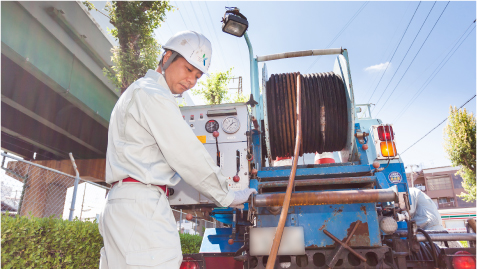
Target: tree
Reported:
[(459, 136), (214, 90), (134, 24)]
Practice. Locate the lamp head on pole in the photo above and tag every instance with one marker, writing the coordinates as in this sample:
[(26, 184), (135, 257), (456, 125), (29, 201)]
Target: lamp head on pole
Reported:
[(234, 22)]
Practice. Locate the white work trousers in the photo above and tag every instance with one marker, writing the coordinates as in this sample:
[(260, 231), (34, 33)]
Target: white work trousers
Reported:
[(139, 230)]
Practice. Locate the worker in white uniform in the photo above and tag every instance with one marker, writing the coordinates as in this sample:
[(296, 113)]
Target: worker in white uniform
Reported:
[(426, 215), (424, 211), (151, 148)]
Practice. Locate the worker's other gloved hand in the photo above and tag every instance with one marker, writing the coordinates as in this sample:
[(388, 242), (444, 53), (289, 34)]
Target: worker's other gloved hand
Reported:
[(241, 197)]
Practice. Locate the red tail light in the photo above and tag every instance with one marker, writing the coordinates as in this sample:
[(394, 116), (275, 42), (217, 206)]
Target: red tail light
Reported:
[(463, 262), (385, 133), (189, 263)]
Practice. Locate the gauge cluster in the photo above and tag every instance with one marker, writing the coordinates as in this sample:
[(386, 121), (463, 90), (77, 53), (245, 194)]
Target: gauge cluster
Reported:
[(230, 121)]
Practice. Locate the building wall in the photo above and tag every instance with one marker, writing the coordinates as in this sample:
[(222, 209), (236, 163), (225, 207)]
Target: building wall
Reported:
[(455, 188)]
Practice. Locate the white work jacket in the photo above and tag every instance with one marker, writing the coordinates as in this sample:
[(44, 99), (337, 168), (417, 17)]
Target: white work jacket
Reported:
[(149, 140), (424, 211)]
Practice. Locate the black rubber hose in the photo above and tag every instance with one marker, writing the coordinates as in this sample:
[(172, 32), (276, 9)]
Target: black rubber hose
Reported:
[(321, 92), (434, 251)]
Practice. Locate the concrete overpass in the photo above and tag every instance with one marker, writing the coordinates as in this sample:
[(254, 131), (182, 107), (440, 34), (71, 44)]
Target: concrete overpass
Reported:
[(55, 98)]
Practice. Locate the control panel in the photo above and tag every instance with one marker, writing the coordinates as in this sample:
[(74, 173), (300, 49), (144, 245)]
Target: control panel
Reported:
[(222, 130)]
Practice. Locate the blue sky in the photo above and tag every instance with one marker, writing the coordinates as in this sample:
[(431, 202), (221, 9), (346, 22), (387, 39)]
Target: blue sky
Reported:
[(371, 32)]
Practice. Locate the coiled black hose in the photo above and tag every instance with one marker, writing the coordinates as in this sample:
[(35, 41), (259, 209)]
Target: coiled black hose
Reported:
[(324, 113), (433, 247)]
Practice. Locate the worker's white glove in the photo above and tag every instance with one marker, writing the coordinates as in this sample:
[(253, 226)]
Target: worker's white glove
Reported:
[(241, 197)]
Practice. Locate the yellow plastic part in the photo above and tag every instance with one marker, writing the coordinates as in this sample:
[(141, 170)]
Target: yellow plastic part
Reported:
[(202, 138)]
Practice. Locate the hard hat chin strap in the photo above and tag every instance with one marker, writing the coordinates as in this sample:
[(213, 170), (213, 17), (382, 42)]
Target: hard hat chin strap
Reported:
[(165, 65)]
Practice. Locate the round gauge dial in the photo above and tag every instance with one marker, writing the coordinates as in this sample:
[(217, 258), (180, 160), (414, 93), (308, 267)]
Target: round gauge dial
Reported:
[(211, 126), (231, 125)]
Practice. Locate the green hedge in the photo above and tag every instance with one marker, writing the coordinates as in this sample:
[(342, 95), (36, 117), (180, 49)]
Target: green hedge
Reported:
[(30, 242), (190, 243)]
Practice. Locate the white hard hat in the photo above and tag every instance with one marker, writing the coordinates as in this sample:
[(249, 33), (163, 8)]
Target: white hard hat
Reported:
[(193, 46)]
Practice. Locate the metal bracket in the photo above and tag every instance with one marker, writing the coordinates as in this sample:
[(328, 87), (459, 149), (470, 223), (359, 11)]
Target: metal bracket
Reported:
[(361, 136), (293, 219), (251, 102)]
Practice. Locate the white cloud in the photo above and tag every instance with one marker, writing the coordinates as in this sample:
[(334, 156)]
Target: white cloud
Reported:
[(377, 68)]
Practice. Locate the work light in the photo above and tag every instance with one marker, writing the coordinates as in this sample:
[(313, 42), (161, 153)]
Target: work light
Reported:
[(234, 23)]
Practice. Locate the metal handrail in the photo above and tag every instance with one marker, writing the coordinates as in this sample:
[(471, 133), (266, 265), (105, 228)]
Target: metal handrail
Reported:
[(301, 53)]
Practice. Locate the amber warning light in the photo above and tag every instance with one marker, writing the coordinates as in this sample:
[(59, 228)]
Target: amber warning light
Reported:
[(388, 149)]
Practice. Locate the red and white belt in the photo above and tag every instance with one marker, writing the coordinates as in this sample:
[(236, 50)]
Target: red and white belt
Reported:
[(130, 179)]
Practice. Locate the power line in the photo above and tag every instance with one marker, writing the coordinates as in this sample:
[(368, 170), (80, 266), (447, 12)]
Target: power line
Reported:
[(339, 33), (185, 9), (204, 21), (413, 58), (214, 32), (399, 66), (180, 13), (195, 15), (450, 48), (368, 88), (434, 73), (190, 17), (200, 26), (170, 29), (395, 51), (436, 126)]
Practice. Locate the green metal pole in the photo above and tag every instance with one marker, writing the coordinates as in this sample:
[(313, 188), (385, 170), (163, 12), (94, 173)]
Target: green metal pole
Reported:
[(254, 89)]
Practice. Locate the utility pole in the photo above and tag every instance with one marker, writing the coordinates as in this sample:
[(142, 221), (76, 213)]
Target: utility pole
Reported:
[(239, 88), (412, 173)]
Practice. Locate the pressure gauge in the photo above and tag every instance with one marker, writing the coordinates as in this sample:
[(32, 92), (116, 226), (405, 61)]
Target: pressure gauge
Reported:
[(230, 125), (211, 126)]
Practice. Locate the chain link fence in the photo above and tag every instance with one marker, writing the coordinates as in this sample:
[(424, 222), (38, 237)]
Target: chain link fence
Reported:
[(30, 188)]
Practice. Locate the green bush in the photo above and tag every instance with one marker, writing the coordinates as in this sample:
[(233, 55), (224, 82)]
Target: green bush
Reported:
[(30, 242), (190, 243)]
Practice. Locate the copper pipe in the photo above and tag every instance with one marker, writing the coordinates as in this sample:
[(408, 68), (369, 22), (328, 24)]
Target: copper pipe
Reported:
[(287, 197), (327, 197)]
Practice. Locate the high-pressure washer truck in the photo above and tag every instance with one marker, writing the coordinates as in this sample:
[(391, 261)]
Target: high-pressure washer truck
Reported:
[(350, 212)]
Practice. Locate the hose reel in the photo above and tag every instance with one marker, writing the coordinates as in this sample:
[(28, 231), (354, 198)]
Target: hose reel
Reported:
[(324, 113)]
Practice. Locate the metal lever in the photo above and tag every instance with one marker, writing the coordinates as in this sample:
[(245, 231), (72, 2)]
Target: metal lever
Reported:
[(238, 161)]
